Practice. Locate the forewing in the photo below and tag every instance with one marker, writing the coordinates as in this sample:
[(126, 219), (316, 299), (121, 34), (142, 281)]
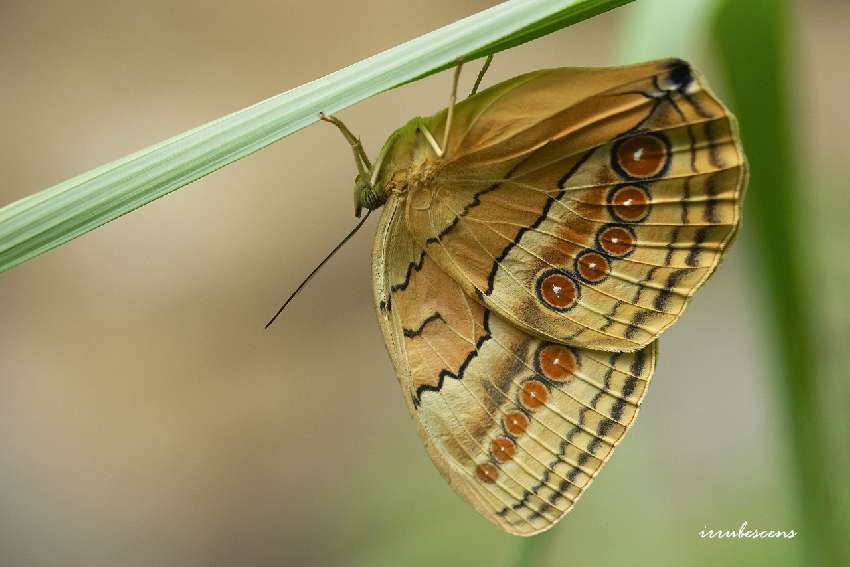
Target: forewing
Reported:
[(518, 426), (594, 224)]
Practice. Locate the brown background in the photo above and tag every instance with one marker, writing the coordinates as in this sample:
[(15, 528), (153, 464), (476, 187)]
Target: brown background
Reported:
[(146, 418)]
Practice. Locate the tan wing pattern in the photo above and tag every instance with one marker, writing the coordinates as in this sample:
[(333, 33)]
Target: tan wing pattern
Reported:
[(521, 279), (590, 221), (518, 426)]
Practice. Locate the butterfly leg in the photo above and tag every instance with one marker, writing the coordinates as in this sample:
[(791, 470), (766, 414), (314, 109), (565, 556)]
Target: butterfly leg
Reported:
[(452, 101), (430, 137), (364, 191), (481, 74), (438, 149), (364, 166)]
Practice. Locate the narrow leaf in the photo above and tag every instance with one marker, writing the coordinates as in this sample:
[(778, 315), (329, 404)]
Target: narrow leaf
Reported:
[(60, 213)]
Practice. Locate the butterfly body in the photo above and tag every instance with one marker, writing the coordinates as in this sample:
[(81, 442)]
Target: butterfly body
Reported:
[(523, 271)]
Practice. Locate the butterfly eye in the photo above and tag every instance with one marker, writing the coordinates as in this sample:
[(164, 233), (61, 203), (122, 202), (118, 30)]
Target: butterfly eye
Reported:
[(681, 76), (503, 449), (592, 266), (515, 423), (487, 472), (616, 240), (534, 394), (557, 290), (556, 362), (629, 203), (642, 156)]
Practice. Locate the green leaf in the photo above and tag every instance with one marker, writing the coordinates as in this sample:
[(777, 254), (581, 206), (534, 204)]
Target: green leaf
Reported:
[(60, 213), (754, 43)]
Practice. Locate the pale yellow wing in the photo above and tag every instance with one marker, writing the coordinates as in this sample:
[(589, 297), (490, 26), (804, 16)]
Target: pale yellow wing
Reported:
[(585, 206), (518, 426)]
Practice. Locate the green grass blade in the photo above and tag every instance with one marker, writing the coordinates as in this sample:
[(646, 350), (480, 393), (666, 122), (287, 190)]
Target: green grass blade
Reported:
[(60, 213), (752, 40)]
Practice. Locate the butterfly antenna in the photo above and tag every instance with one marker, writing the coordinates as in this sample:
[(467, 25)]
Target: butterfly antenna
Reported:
[(319, 267)]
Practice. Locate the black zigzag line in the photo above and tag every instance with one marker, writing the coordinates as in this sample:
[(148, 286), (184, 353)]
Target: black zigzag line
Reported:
[(476, 200), (448, 373), (549, 202), (410, 333), (412, 267)]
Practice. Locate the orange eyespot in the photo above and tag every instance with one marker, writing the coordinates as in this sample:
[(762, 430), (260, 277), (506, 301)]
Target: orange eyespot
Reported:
[(557, 290), (557, 362), (487, 472), (616, 240), (515, 423), (630, 203), (503, 449), (592, 266), (641, 156), (533, 394)]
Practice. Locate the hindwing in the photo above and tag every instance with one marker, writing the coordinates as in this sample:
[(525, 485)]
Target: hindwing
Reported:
[(517, 425)]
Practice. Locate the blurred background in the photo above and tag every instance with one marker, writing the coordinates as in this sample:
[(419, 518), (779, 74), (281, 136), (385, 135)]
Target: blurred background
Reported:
[(146, 418)]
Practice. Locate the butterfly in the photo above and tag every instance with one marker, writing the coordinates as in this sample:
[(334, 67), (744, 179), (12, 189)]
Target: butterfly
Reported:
[(536, 239)]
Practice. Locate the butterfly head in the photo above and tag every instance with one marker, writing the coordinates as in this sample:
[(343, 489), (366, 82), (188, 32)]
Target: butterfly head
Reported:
[(365, 194), (375, 182)]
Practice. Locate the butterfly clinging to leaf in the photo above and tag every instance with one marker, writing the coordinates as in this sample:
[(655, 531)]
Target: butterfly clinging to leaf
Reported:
[(536, 239)]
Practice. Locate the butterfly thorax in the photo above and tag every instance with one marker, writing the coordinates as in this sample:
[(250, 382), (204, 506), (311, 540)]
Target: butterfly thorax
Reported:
[(405, 165)]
